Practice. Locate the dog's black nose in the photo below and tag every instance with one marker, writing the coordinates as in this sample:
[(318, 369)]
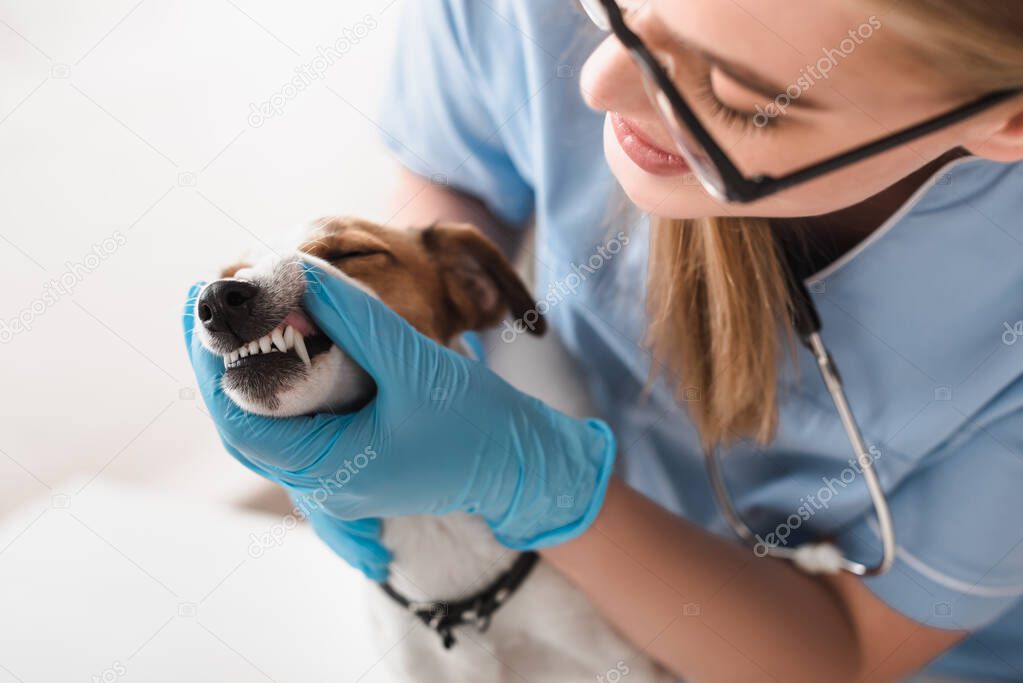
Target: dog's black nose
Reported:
[(223, 305)]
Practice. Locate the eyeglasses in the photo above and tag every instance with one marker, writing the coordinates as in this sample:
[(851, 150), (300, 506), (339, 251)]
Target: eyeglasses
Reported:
[(710, 164)]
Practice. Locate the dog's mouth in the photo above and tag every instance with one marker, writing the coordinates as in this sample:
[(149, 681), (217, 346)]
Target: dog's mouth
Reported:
[(295, 339), (277, 361), (261, 371)]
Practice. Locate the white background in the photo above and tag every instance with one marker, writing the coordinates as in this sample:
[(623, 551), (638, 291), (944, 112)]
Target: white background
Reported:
[(109, 112)]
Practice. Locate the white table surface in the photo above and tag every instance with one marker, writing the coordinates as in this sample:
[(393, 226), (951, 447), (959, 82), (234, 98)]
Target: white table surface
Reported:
[(156, 589)]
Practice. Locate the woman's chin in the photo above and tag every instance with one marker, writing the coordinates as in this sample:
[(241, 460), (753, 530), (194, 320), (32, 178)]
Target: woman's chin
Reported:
[(670, 196), (667, 196)]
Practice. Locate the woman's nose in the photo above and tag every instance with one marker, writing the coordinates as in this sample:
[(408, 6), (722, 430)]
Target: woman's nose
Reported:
[(611, 81)]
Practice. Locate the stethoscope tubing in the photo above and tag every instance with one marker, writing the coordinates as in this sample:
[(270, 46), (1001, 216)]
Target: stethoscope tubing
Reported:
[(807, 324)]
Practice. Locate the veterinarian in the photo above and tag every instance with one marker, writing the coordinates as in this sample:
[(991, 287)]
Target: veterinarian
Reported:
[(697, 215)]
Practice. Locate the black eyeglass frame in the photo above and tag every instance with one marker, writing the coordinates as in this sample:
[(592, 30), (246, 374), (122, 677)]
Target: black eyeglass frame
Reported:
[(742, 189)]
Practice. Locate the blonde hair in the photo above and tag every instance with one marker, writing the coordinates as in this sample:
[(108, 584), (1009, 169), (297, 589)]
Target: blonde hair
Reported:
[(718, 304)]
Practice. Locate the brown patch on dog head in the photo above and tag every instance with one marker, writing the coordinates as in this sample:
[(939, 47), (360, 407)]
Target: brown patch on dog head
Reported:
[(443, 280), (481, 285), (388, 261)]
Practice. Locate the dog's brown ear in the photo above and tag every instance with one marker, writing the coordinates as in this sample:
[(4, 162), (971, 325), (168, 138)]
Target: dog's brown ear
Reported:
[(480, 283)]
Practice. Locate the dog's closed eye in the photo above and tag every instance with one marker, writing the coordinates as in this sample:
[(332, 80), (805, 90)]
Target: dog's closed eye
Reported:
[(337, 255), (349, 245)]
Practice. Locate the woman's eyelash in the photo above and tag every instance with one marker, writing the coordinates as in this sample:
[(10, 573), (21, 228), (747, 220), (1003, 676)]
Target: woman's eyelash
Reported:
[(731, 117)]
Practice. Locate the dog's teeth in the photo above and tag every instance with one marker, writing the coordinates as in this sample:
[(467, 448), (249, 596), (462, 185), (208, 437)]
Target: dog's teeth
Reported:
[(233, 356), (289, 337), (278, 339), (265, 344), (243, 351), (253, 347), (301, 350), (227, 361)]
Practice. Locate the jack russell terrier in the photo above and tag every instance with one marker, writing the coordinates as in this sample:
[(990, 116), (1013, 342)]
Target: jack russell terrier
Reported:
[(515, 617)]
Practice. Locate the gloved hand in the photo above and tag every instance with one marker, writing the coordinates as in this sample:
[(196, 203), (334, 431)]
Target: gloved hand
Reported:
[(356, 542), (443, 434)]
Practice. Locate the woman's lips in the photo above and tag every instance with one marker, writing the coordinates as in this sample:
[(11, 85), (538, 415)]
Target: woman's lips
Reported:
[(645, 154)]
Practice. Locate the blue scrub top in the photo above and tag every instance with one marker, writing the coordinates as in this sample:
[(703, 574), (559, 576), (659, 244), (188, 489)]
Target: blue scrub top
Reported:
[(924, 318)]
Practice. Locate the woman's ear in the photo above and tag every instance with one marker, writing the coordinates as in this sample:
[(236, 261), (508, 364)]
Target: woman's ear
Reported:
[(1002, 139), (479, 282)]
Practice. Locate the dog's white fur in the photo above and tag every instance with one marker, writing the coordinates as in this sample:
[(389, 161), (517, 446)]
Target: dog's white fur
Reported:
[(547, 632)]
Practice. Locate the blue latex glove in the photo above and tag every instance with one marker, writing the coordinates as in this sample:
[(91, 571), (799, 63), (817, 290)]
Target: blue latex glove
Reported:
[(357, 542), (443, 434)]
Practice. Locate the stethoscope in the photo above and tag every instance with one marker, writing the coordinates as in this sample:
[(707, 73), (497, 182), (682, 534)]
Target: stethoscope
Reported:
[(822, 556)]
